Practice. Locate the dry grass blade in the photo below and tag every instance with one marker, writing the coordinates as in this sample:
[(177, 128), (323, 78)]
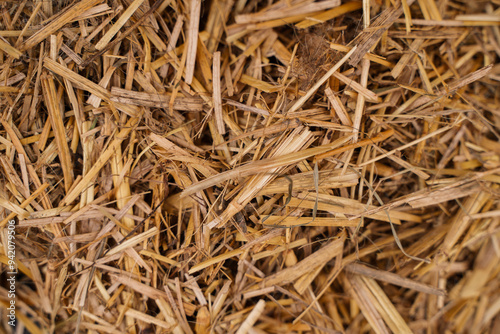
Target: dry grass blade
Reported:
[(284, 166)]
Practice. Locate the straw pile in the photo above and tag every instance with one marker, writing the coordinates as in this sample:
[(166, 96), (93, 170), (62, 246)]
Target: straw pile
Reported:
[(251, 166)]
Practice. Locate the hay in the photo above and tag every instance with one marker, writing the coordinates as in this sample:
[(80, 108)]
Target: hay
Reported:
[(250, 167)]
